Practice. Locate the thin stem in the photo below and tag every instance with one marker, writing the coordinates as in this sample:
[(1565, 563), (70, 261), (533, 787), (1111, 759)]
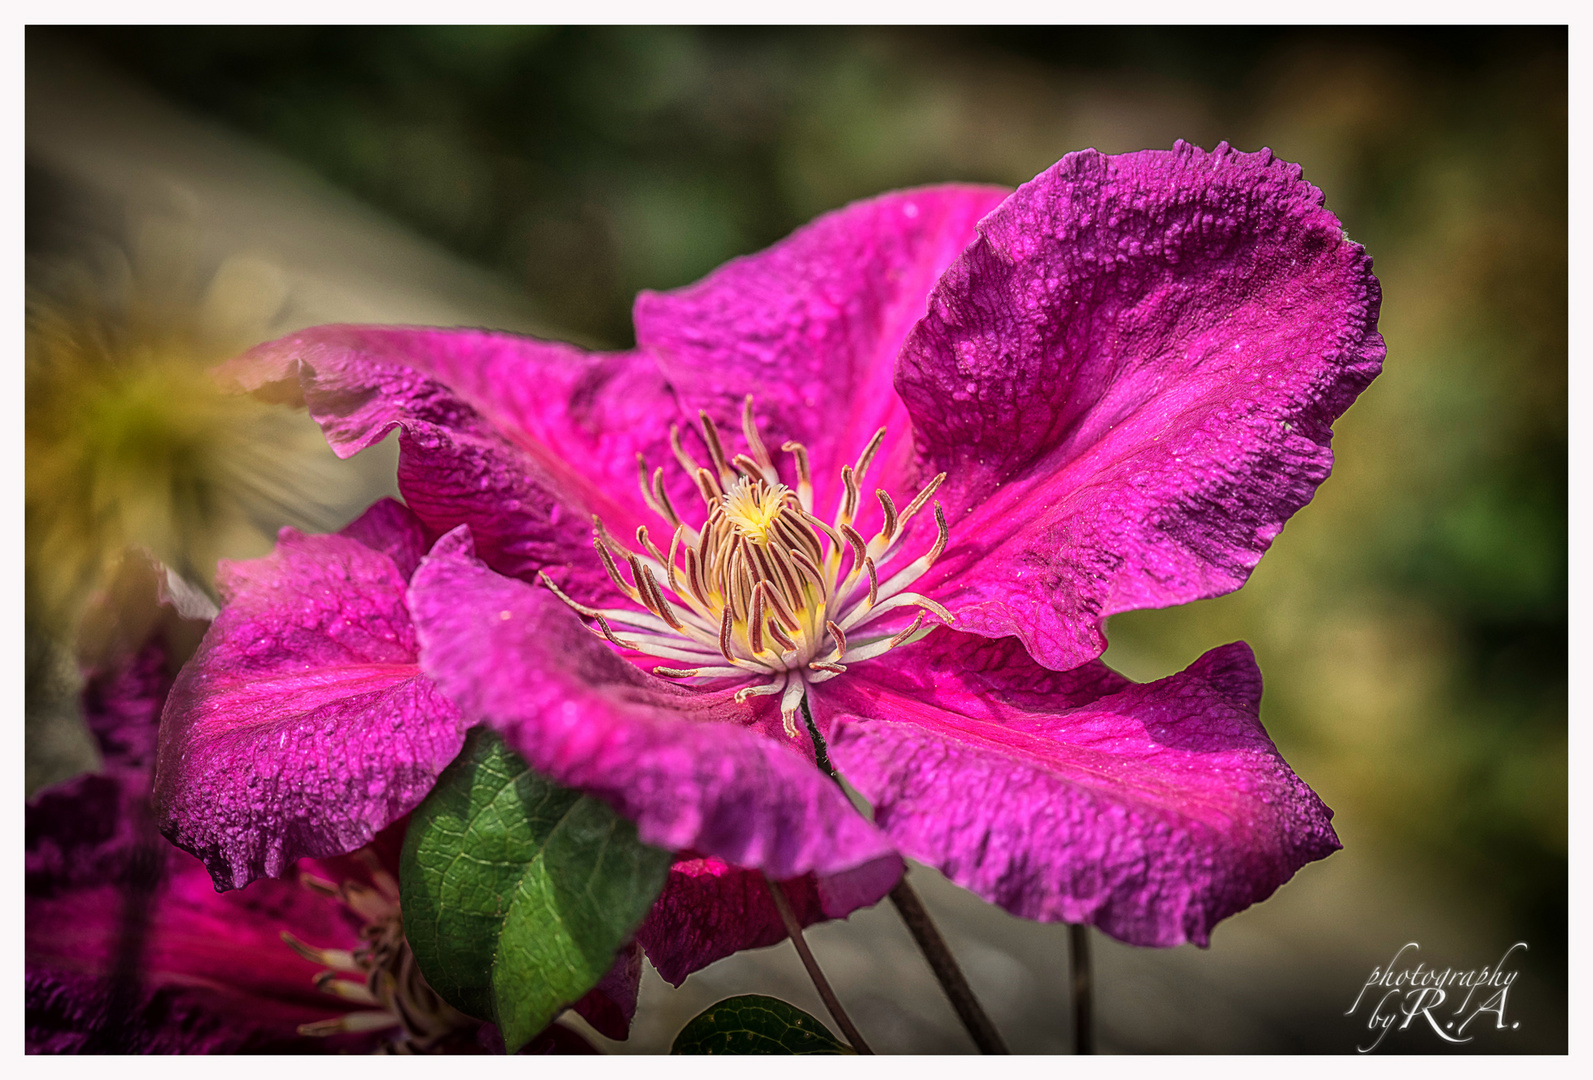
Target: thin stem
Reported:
[(927, 935), (944, 965), (1083, 989), (820, 983), (820, 751)]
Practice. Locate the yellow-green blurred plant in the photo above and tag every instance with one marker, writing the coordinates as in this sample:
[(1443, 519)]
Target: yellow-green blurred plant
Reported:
[(129, 441)]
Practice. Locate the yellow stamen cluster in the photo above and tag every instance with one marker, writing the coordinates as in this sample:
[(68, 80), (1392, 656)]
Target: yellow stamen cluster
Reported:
[(763, 588)]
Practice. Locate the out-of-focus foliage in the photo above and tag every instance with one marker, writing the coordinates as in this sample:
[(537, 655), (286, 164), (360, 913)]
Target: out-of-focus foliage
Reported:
[(1411, 622), (134, 453), (589, 163)]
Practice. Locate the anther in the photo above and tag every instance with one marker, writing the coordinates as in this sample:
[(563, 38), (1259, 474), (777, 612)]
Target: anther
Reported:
[(792, 529), (698, 673), (612, 568), (854, 541), (840, 638), (642, 481), (811, 569), (781, 638), (317, 885), (888, 507), (781, 612), (724, 634), (707, 486), (687, 462), (349, 1023), (759, 690), (337, 959), (347, 989), (749, 429), (836, 543), (866, 458), (789, 701), (909, 632), (756, 554), (804, 476), (647, 544), (661, 497), (669, 564), (578, 608), (942, 534), (849, 501), (694, 580), (922, 497), (755, 618), (788, 581), (716, 450), (652, 599), (606, 631)]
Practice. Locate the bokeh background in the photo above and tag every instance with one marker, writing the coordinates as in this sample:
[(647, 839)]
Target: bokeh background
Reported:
[(192, 191)]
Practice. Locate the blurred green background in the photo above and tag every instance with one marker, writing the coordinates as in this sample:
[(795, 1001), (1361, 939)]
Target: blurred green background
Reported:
[(1410, 623)]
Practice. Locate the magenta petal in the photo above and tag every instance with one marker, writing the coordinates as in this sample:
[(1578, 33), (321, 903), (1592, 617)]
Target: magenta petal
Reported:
[(1130, 378), (812, 325), (694, 770), (553, 1039), (709, 910), (523, 440), (213, 973), (82, 831), (119, 707), (610, 1006), (303, 725), (388, 526), (129, 947), (1151, 811)]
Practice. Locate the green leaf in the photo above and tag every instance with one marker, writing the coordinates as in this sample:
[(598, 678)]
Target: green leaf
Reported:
[(754, 1024), (518, 893)]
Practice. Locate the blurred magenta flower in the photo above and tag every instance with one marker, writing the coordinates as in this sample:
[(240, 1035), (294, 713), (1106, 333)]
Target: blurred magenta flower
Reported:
[(130, 948), (1104, 391)]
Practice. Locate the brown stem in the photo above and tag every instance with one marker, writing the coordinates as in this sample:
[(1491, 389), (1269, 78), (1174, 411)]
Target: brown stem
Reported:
[(1083, 989), (820, 983), (944, 965), (924, 931)]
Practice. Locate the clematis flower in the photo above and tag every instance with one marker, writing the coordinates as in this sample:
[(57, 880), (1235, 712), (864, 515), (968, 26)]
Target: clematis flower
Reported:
[(304, 726), (130, 948), (1104, 391)]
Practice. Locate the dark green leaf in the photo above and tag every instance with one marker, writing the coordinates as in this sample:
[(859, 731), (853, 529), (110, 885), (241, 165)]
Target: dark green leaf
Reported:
[(517, 893), (755, 1024)]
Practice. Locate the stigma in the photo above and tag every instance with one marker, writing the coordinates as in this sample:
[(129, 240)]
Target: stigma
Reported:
[(762, 588)]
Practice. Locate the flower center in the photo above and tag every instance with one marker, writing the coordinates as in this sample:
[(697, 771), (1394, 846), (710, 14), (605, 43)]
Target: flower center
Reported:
[(763, 588), (386, 982), (753, 508)]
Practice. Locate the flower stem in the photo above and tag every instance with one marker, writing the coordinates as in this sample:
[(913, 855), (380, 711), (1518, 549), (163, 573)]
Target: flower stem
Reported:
[(820, 983), (1083, 989), (926, 934), (821, 753), (944, 965)]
